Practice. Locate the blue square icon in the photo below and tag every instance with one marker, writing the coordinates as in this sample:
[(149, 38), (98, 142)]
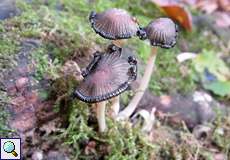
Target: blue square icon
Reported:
[(10, 148)]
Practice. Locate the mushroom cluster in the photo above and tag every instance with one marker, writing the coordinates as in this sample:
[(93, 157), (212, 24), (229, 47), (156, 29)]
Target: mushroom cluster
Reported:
[(109, 73)]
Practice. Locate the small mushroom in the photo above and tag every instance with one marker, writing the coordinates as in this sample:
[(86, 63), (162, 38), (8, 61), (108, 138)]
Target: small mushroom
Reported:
[(114, 24), (107, 76), (162, 32)]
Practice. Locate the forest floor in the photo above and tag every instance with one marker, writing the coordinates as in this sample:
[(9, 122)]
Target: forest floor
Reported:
[(42, 43)]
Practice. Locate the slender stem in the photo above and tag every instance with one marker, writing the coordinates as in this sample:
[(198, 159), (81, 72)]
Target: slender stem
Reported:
[(116, 100), (143, 86), (101, 116), (115, 106), (119, 43)]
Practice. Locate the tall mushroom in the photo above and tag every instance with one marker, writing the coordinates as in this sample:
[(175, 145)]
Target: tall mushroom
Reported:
[(161, 32), (116, 25), (108, 75)]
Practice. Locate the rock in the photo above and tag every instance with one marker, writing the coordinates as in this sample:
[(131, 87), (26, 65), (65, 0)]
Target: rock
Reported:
[(37, 155), (23, 122), (21, 82), (7, 9), (193, 110)]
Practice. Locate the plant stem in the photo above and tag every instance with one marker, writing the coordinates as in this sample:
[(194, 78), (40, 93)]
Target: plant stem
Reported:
[(101, 115), (127, 112), (119, 43), (115, 106), (116, 100)]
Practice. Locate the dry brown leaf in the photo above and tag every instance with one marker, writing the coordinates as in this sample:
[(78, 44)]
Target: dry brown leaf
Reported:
[(180, 14), (177, 12), (224, 5)]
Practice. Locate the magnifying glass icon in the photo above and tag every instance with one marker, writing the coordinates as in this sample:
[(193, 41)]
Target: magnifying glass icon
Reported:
[(9, 147)]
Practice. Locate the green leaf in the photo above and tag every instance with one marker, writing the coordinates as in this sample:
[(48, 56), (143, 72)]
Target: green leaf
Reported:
[(209, 60), (221, 88)]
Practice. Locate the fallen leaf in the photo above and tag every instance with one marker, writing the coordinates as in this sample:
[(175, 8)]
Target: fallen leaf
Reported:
[(220, 88), (185, 56), (148, 117), (176, 11), (224, 5), (213, 63)]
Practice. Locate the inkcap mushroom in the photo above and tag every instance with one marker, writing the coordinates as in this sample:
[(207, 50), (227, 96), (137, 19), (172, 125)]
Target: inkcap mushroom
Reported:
[(161, 32), (108, 75), (116, 25)]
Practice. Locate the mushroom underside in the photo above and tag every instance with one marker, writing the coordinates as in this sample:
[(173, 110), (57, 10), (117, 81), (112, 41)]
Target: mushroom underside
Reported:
[(107, 76)]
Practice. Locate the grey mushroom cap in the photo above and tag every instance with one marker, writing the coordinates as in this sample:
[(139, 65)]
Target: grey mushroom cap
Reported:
[(114, 24), (161, 32), (108, 75)]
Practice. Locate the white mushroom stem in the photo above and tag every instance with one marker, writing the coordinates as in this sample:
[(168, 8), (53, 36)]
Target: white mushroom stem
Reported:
[(127, 112), (115, 106), (100, 112), (115, 103)]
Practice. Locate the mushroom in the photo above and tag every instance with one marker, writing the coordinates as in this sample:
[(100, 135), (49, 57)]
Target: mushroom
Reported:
[(116, 25), (108, 75), (162, 33)]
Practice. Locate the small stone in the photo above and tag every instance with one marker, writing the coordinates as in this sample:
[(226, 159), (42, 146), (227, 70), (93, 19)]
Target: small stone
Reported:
[(24, 121), (37, 155), (166, 100), (7, 9), (21, 82)]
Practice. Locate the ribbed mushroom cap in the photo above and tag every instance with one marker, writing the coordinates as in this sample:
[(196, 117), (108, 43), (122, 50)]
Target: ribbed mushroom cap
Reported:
[(162, 32), (108, 75), (114, 24)]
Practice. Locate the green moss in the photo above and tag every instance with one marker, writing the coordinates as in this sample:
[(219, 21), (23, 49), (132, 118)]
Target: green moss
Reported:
[(118, 143), (8, 46), (45, 66), (65, 32), (198, 40), (70, 30), (4, 115), (168, 74)]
